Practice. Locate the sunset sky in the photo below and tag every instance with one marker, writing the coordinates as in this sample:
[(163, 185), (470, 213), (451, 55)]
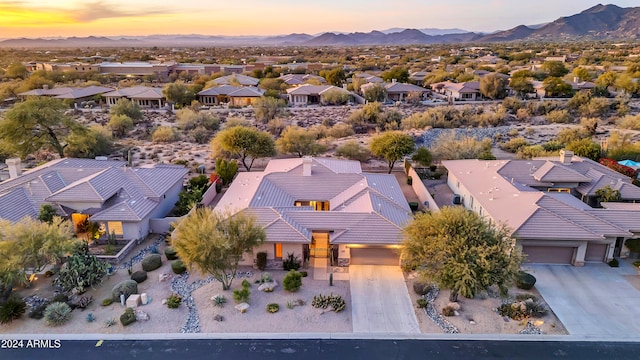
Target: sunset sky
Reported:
[(31, 18)]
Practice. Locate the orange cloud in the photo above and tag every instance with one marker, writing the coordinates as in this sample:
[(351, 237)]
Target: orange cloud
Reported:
[(15, 14)]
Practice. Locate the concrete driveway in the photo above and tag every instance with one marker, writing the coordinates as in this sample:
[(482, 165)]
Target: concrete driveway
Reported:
[(593, 301), (380, 300)]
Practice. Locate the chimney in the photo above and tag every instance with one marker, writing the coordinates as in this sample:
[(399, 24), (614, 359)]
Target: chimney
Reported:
[(393, 81), (566, 156), (306, 166), (15, 168), (45, 87), (576, 79)]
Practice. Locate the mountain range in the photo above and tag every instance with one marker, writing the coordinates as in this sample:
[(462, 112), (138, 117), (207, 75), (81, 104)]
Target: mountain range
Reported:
[(600, 22)]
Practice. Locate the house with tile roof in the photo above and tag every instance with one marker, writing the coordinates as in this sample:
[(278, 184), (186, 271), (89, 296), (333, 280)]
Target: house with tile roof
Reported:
[(322, 208), (299, 79), (77, 94), (308, 94), (145, 96), (399, 91), (236, 79), (230, 95), (467, 91), (549, 205), (119, 198)]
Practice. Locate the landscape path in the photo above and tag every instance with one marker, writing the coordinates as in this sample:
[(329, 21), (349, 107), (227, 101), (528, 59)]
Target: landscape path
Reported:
[(380, 301), (594, 300)]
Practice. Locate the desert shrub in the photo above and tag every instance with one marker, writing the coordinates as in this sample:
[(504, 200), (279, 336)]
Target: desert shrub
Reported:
[(273, 308), (60, 298), (170, 253), (261, 260), (174, 301), (178, 267), (12, 309), (525, 281), (164, 134), (336, 302), (514, 144), (83, 302), (107, 302), (422, 288), (81, 271), (629, 122), (128, 317), (413, 205), (340, 130), (109, 322), (241, 295), (200, 135), (126, 287), (57, 313), (219, 300), (265, 278), (90, 317), (512, 104), (525, 297), (304, 274), (353, 151), (38, 312), (553, 145), (422, 303), (614, 263), (291, 262), (523, 309), (151, 262), (139, 276), (448, 311), (633, 245), (245, 283), (292, 281), (559, 117), (120, 125)]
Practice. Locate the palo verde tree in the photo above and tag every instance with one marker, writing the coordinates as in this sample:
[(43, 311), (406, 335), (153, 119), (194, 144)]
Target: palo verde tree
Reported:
[(298, 141), (461, 251), (392, 146), (244, 143), (35, 124), (214, 242)]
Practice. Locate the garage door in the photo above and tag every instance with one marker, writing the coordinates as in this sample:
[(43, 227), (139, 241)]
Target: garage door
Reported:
[(548, 254), (374, 256), (595, 252)]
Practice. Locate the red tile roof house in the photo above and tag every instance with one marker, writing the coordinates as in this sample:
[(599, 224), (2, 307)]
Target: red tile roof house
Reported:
[(121, 199), (545, 203), (322, 207)]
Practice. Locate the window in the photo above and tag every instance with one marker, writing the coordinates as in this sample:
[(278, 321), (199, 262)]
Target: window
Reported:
[(115, 227), (561, 190), (316, 205)]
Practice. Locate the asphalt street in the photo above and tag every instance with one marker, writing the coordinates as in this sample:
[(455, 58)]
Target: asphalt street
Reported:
[(309, 349)]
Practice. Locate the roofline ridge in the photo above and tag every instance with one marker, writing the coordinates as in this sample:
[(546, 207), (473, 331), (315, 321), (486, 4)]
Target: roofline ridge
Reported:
[(586, 213)]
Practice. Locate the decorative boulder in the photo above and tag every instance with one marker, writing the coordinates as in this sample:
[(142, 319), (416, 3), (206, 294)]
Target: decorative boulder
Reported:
[(151, 262), (525, 281), (268, 286), (454, 306), (178, 267), (170, 253), (242, 307), (139, 276), (141, 315), (126, 287)]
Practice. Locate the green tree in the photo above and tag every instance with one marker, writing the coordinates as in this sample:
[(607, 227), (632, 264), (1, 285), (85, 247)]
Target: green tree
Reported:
[(585, 148), (16, 71), (179, 94), (554, 68), (335, 97), (521, 85), (422, 156), (352, 150), (335, 76), (120, 125), (398, 73), (392, 146), (374, 93), (47, 213), (128, 108), (583, 74), (493, 86), (11, 266), (244, 143), (227, 170), (214, 242), (555, 86), (298, 141), (607, 194), (35, 124), (461, 251), (267, 108), (95, 141), (605, 80)]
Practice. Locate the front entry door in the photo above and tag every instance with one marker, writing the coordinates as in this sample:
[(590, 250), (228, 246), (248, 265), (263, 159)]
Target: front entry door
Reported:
[(320, 244), (278, 250)]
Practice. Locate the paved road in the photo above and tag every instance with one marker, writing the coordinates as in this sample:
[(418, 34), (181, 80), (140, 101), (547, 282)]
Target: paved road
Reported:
[(593, 300), (380, 301), (311, 349)]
